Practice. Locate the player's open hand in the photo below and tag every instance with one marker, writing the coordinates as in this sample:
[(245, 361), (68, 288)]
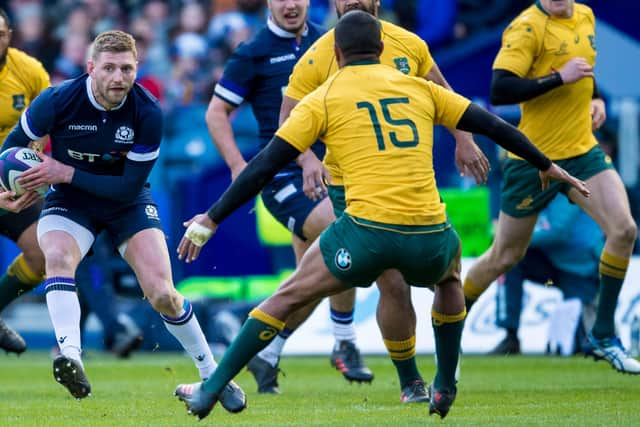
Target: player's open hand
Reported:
[(598, 113), (9, 202), (470, 159), (200, 228), (49, 172), (556, 173), (314, 176)]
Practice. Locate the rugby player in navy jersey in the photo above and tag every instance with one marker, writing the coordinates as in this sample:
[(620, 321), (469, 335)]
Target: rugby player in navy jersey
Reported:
[(105, 135), (258, 73)]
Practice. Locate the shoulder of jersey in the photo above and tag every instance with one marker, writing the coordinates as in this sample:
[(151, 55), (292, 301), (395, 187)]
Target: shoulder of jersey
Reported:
[(397, 32), (25, 62), (257, 45), (583, 9), (531, 16), (70, 86), (145, 96)]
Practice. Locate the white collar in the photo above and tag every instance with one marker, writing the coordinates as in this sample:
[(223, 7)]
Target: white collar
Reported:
[(275, 29), (95, 103)]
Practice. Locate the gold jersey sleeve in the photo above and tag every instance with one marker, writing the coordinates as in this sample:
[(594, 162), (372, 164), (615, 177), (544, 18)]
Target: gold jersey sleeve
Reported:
[(378, 124), (21, 80), (535, 45), (403, 51)]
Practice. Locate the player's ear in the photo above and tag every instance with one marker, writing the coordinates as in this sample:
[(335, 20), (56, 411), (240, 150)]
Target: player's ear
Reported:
[(90, 66)]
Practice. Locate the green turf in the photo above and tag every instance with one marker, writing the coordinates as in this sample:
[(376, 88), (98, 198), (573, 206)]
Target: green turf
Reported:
[(520, 391)]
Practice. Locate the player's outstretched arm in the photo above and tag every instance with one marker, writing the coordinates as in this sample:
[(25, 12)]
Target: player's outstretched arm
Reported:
[(477, 120), (259, 171)]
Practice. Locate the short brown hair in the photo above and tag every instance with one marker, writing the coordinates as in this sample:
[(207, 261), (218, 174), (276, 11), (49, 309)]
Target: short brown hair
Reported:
[(113, 41)]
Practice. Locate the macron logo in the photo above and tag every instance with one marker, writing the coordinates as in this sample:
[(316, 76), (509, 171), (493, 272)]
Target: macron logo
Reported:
[(277, 59), (92, 128)]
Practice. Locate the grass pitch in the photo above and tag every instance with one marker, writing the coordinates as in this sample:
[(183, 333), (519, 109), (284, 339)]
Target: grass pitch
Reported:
[(500, 391)]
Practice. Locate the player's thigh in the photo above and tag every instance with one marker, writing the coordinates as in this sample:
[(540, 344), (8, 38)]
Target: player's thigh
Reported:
[(63, 249), (147, 254), (64, 239), (319, 218), (608, 204), (512, 236)]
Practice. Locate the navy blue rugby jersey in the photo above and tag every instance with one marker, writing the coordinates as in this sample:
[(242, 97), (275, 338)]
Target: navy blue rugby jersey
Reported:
[(258, 72), (112, 151)]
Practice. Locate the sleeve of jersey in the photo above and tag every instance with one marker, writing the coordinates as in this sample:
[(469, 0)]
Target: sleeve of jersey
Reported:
[(519, 47), (35, 122), (234, 85), (426, 61), (304, 77), (138, 165), (450, 106), (305, 124)]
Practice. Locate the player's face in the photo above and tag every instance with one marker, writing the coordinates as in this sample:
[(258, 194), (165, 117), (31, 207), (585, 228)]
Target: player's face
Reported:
[(560, 8), (5, 38), (113, 75), (344, 6), (290, 15)]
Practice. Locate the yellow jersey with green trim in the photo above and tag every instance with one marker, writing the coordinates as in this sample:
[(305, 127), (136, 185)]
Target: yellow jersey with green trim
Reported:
[(378, 124), (21, 79), (536, 44), (403, 50)]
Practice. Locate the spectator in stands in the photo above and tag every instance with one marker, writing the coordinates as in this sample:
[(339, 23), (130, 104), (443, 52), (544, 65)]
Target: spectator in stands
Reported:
[(32, 35), (565, 251), (71, 61)]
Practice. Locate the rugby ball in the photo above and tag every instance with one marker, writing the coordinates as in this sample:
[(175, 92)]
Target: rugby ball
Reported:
[(13, 162)]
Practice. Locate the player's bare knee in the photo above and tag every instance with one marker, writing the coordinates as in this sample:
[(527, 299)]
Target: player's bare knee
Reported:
[(58, 259), (505, 259), (399, 292), (166, 301), (626, 233)]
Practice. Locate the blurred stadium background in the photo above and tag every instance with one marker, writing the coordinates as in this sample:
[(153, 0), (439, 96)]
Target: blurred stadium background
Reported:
[(183, 46)]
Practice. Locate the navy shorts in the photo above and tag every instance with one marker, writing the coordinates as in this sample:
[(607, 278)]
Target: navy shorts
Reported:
[(12, 225), (120, 220), (284, 199)]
